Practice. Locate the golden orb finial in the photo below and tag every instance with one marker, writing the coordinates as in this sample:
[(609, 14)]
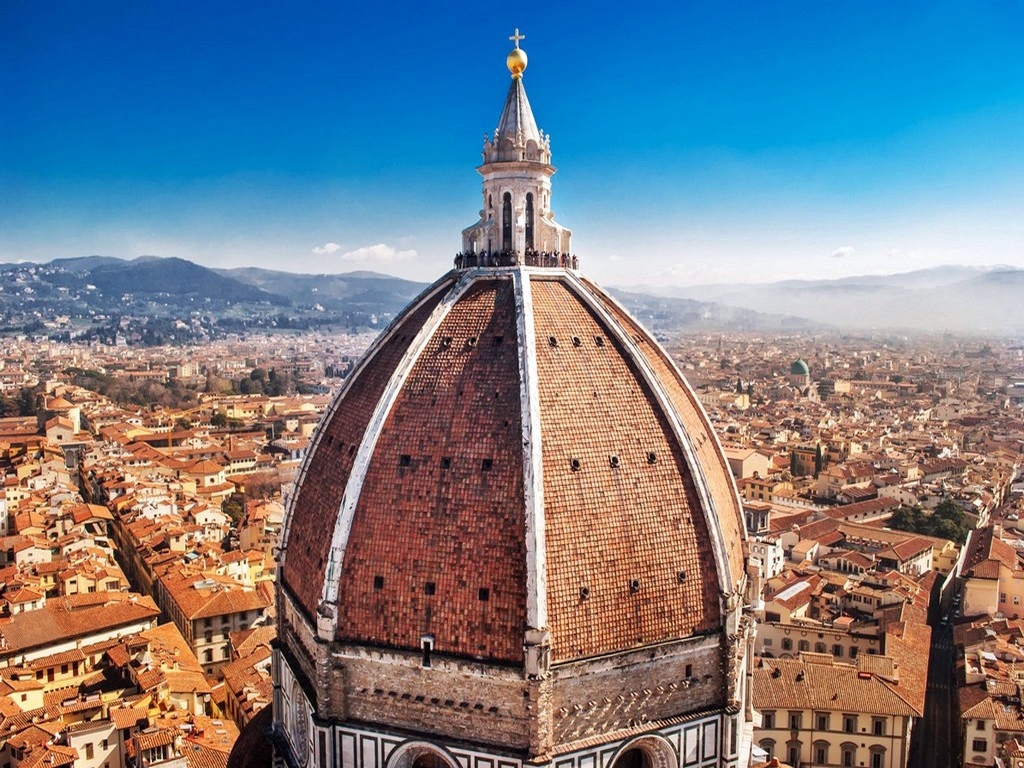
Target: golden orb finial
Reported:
[(516, 60)]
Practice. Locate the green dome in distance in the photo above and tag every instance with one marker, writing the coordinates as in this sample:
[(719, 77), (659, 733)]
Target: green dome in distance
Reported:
[(799, 368)]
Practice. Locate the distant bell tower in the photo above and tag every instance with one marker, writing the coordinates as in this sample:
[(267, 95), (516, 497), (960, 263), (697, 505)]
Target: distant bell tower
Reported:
[(516, 216)]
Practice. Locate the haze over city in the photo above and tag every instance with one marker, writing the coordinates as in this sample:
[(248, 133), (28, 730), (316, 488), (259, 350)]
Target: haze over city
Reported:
[(698, 143)]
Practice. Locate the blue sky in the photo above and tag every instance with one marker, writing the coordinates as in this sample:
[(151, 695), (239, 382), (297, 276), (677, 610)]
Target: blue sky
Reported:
[(702, 142)]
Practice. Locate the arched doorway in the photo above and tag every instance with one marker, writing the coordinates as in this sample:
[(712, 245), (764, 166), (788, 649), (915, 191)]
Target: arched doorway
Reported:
[(646, 752), (633, 758), (420, 754), (428, 760)]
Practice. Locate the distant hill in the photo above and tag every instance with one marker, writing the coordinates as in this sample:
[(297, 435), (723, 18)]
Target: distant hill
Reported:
[(364, 291), (957, 299), (147, 277), (149, 300), (175, 277), (663, 313), (81, 264)]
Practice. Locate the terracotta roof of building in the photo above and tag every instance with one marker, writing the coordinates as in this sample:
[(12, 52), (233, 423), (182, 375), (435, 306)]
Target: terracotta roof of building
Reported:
[(158, 737), (129, 717), (246, 641), (825, 685), (50, 756), (985, 553), (62, 619), (201, 595)]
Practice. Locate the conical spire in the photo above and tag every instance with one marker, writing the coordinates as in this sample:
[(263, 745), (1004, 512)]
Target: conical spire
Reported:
[(516, 125), (516, 220)]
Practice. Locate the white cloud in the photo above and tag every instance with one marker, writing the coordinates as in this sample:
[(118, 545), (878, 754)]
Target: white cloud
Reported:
[(377, 254), (845, 252), (320, 250)]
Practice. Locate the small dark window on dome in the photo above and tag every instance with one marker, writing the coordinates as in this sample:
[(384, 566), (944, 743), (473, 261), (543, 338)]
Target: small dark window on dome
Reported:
[(486, 464), (378, 582), (584, 593), (575, 465), (599, 340), (471, 341), (404, 460), (652, 458), (577, 341), (552, 341), (446, 342), (689, 670), (634, 586), (446, 462), (484, 594), (429, 588), (681, 576), (613, 461)]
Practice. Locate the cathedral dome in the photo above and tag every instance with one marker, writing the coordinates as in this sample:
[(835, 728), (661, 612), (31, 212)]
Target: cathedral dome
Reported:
[(799, 368), (515, 539), (515, 452)]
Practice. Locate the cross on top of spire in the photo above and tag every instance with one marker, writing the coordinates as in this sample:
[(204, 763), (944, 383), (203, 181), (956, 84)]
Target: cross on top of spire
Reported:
[(517, 37)]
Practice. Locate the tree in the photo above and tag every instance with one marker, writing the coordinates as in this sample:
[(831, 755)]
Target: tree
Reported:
[(234, 507), (28, 400), (947, 521), (7, 406), (218, 420), (183, 424), (263, 485)]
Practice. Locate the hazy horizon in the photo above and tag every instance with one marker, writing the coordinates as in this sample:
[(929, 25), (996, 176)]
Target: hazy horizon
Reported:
[(982, 268)]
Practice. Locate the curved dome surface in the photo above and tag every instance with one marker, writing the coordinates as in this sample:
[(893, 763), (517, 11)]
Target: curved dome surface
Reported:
[(514, 453)]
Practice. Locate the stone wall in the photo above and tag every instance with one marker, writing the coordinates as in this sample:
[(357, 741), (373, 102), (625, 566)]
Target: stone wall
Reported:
[(484, 704), (627, 690)]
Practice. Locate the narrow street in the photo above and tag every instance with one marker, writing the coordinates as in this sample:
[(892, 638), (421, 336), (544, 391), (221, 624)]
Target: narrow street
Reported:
[(934, 743)]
